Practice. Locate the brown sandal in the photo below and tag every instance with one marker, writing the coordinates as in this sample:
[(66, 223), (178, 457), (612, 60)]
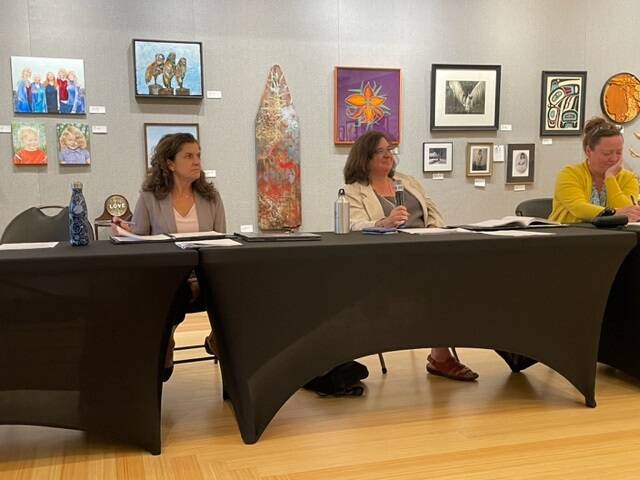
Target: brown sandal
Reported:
[(450, 368)]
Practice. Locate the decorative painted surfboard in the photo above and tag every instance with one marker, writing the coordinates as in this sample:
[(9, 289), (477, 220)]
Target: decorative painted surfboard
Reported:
[(278, 156)]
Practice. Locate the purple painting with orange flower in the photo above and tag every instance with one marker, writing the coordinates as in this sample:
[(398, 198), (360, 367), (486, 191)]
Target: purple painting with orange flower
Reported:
[(366, 99)]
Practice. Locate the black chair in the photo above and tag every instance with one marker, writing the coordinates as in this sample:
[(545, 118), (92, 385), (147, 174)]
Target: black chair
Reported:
[(536, 207), (33, 225)]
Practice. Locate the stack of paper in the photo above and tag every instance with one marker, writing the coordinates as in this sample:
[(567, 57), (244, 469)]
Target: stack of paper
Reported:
[(222, 242)]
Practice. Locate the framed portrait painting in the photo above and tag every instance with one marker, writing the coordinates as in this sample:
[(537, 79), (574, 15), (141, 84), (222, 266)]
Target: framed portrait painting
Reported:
[(366, 99), (166, 69), (153, 132), (479, 159), (44, 86), (29, 143), (465, 97), (520, 163), (74, 144), (437, 156), (562, 103)]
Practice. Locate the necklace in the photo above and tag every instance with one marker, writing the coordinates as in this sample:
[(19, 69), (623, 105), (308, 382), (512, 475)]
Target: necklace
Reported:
[(387, 189)]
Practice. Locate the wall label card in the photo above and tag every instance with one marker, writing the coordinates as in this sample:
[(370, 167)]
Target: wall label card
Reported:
[(99, 129), (480, 183)]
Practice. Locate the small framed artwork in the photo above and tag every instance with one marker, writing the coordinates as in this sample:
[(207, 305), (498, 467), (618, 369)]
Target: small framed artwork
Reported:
[(437, 157), (73, 144), (479, 159), (29, 143), (153, 132), (562, 103), (620, 98), (366, 99), (520, 163), (166, 69), (465, 97), (48, 85)]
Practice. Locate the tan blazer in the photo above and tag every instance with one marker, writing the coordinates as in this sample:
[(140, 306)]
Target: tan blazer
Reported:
[(152, 216), (365, 208)]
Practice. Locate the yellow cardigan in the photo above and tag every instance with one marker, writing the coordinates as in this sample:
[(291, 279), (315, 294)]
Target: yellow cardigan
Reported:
[(572, 198)]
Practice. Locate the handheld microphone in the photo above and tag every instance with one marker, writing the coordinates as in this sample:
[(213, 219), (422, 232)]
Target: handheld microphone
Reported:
[(399, 189)]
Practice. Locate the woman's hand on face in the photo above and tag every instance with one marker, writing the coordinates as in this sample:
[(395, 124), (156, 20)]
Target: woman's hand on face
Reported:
[(632, 212), (614, 169), (398, 216), (116, 223)]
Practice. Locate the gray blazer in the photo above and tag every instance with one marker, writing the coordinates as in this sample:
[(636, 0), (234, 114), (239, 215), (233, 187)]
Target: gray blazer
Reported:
[(152, 216)]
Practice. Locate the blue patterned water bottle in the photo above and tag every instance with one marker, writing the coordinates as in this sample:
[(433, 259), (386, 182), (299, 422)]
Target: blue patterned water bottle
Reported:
[(79, 226)]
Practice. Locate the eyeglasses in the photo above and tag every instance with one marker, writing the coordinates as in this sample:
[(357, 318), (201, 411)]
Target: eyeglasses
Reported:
[(608, 128), (381, 151)]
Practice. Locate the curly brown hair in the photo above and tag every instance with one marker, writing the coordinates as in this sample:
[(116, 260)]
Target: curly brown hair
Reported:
[(159, 180), (596, 129), (357, 167)]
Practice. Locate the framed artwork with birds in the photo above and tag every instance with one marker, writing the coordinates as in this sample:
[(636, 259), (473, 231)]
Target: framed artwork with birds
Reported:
[(167, 69)]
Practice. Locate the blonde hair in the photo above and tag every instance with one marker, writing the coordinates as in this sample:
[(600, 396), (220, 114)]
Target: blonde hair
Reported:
[(75, 132), (26, 130)]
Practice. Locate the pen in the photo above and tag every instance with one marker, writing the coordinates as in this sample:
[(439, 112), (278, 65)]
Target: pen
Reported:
[(126, 222)]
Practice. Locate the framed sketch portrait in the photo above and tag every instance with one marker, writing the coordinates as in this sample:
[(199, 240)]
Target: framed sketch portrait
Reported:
[(479, 159), (153, 132), (366, 99), (465, 97), (43, 86), (562, 103), (520, 163), (437, 156), (166, 69)]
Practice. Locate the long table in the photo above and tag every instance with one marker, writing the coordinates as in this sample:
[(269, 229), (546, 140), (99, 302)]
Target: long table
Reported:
[(284, 313), (83, 334)]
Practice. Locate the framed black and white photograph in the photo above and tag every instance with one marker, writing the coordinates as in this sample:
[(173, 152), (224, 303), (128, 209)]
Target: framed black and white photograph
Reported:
[(437, 156), (479, 159), (520, 163), (562, 103), (465, 97)]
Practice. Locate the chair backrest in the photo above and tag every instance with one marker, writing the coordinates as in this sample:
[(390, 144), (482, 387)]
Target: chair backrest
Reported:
[(536, 207), (33, 225)]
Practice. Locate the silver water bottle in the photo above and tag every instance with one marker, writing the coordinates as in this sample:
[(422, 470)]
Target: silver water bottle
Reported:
[(341, 213)]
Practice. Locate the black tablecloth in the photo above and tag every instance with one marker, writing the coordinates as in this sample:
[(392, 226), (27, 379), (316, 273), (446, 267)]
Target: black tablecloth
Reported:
[(284, 313), (83, 334), (621, 326)]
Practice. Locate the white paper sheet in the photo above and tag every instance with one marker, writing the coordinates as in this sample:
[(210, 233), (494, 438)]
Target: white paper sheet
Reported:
[(431, 231), (221, 242), (27, 246), (212, 233), (516, 233)]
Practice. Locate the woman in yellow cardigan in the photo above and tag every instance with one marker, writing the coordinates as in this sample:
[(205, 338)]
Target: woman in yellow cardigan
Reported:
[(599, 186)]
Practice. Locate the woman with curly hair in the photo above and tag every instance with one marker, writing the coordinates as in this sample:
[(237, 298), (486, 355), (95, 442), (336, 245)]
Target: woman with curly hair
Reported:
[(176, 198)]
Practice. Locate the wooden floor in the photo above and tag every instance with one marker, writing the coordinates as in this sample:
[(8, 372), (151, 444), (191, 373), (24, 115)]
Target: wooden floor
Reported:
[(409, 425)]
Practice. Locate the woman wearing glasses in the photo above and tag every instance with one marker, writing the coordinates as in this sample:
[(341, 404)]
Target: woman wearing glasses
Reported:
[(369, 175), (599, 186)]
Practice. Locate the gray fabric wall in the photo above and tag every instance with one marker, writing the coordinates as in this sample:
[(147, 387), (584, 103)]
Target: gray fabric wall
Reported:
[(242, 39)]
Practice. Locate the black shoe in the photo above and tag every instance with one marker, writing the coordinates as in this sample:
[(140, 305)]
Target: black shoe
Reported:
[(166, 373), (209, 349)]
